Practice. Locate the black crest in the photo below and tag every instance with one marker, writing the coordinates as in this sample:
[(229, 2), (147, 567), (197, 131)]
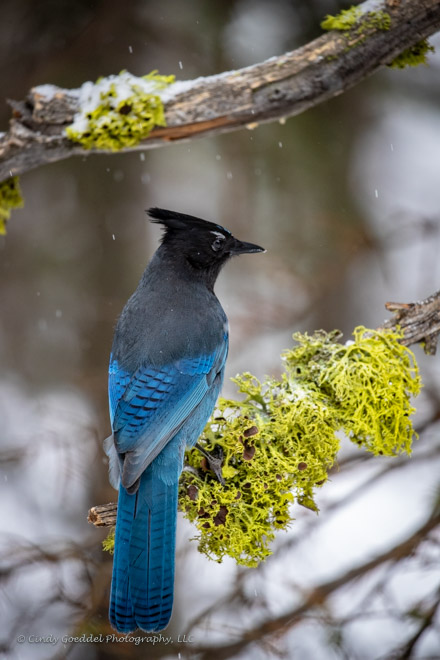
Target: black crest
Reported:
[(202, 245), (174, 221)]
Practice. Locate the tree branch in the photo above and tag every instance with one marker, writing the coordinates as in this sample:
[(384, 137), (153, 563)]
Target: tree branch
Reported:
[(275, 89), (103, 515), (419, 321)]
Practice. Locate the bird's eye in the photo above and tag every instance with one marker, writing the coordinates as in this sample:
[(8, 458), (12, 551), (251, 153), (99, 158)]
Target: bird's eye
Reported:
[(217, 244)]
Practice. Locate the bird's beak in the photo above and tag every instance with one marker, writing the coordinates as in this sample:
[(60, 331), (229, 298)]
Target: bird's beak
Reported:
[(240, 247)]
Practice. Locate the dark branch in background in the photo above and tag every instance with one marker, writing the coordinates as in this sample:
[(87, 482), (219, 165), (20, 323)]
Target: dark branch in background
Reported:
[(419, 322), (317, 597), (19, 558), (426, 617), (278, 88)]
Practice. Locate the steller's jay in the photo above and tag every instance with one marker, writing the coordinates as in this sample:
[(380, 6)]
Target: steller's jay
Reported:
[(166, 370)]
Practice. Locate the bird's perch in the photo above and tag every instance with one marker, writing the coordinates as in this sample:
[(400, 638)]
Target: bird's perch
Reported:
[(280, 87), (420, 323), (103, 515)]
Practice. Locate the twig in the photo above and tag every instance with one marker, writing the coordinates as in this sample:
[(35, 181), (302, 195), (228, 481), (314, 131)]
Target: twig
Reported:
[(419, 321), (427, 617), (103, 515)]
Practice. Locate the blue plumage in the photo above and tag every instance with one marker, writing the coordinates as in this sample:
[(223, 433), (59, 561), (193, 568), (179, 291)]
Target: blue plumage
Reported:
[(165, 374)]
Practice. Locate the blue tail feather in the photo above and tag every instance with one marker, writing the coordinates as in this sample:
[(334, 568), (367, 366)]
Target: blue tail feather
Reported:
[(143, 565), (121, 610)]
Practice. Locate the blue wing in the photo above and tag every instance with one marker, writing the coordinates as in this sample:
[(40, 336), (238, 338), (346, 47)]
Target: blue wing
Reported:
[(118, 380), (149, 407)]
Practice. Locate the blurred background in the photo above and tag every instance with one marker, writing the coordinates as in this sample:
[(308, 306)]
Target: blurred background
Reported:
[(346, 199)]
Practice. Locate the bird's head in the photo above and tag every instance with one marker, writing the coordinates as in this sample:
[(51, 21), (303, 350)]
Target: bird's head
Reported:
[(205, 245)]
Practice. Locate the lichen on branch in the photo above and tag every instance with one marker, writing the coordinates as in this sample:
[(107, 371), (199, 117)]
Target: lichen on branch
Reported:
[(119, 111), (355, 17), (354, 22), (279, 443), (413, 56), (10, 198)]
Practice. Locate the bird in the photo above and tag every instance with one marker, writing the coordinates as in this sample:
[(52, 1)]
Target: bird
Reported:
[(166, 371)]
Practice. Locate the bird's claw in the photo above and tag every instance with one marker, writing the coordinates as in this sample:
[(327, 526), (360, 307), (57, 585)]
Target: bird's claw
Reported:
[(215, 460)]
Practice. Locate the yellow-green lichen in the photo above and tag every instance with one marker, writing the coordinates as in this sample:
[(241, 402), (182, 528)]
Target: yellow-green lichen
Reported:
[(108, 544), (345, 20), (353, 17), (413, 56), (119, 111), (377, 20), (368, 382), (10, 198), (279, 443)]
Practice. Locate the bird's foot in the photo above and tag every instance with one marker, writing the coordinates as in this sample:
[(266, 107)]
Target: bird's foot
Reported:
[(215, 460)]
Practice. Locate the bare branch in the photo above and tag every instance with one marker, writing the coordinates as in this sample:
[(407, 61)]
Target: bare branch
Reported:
[(427, 618), (103, 515), (278, 88), (419, 321)]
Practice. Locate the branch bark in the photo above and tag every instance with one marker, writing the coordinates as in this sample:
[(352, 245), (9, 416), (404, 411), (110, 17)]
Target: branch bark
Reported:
[(275, 89), (419, 321), (103, 515)]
